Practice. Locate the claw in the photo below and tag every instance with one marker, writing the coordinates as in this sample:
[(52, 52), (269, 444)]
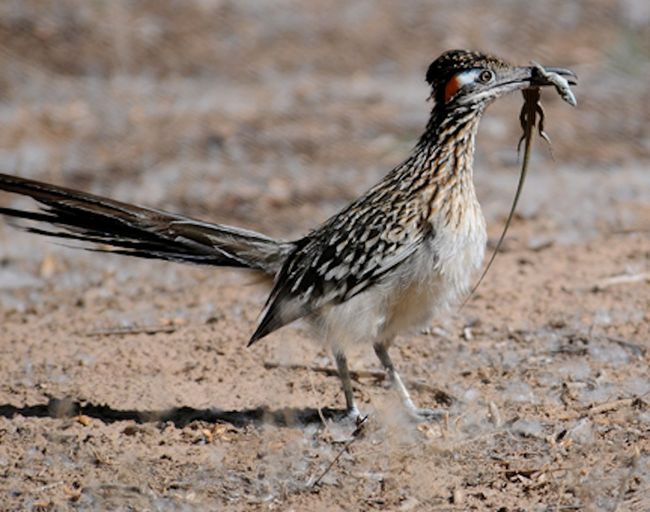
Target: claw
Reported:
[(523, 121), (539, 110), (540, 124), (540, 127), (544, 136), (523, 115)]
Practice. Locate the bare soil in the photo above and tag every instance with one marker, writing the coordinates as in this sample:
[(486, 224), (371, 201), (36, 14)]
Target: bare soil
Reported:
[(126, 384)]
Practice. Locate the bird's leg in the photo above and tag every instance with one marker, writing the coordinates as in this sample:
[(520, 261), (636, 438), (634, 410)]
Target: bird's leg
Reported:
[(344, 374), (416, 413), (395, 379)]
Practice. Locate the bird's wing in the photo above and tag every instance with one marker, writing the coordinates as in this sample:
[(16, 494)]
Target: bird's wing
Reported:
[(333, 265)]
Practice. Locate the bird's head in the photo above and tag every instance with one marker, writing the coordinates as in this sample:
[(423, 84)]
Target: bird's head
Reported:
[(462, 78)]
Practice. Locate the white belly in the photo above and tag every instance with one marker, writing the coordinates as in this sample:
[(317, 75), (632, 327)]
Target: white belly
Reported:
[(431, 280)]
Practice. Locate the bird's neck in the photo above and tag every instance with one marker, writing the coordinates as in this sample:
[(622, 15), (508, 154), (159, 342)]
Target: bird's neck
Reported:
[(440, 165), (446, 148), (438, 175)]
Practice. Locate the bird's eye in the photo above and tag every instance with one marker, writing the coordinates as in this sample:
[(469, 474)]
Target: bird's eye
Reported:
[(485, 76)]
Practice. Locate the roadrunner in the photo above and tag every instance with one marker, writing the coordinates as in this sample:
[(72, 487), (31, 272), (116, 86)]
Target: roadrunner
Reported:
[(386, 264)]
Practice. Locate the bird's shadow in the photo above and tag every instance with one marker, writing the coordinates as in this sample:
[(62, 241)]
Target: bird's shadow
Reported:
[(179, 416)]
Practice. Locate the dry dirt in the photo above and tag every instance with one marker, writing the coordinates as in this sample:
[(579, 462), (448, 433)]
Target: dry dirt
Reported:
[(126, 385)]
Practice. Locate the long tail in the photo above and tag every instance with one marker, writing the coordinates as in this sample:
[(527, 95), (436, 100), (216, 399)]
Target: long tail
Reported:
[(122, 228)]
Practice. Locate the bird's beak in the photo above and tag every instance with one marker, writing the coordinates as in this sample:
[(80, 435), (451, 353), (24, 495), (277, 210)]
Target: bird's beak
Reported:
[(524, 77)]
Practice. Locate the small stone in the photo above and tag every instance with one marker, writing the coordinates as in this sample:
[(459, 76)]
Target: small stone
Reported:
[(131, 430), (84, 420)]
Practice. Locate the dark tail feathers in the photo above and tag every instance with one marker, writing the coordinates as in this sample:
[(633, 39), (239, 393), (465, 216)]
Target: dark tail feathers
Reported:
[(145, 232)]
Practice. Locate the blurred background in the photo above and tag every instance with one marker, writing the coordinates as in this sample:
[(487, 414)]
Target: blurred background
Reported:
[(275, 114)]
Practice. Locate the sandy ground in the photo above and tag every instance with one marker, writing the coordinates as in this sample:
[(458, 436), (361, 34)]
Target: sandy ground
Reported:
[(126, 385)]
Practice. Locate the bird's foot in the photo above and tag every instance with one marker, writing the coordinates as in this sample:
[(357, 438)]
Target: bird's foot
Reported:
[(353, 415)]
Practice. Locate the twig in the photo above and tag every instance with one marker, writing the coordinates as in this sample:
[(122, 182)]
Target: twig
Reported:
[(629, 231), (610, 406), (120, 488), (621, 279), (50, 486), (124, 331), (495, 415), (605, 407), (355, 436), (635, 348)]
